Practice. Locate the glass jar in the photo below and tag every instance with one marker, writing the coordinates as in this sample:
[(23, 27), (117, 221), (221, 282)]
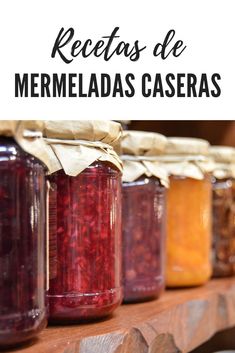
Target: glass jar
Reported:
[(143, 224), (85, 243), (223, 228), (188, 231), (22, 244)]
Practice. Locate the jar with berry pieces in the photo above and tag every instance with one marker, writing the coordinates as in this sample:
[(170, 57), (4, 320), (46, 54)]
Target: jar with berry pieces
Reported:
[(23, 312), (188, 212), (223, 207), (143, 215), (84, 220)]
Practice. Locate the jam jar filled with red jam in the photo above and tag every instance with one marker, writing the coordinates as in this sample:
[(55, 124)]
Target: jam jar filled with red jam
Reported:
[(22, 244), (85, 243), (143, 216)]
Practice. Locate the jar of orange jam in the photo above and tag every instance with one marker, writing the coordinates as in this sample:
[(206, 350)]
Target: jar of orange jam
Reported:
[(188, 213)]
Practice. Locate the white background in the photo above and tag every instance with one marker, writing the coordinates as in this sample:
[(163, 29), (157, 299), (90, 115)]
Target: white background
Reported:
[(29, 28)]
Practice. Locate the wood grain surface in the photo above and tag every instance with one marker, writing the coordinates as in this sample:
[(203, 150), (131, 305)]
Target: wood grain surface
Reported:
[(178, 322)]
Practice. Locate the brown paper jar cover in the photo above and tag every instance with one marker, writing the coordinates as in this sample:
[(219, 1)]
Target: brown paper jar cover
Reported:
[(140, 150), (68, 145)]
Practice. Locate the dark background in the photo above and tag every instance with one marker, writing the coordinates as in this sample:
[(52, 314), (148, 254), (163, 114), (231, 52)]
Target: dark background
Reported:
[(220, 132)]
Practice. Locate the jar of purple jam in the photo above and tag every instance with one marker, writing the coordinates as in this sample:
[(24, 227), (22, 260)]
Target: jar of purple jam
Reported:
[(22, 244), (85, 224), (143, 216)]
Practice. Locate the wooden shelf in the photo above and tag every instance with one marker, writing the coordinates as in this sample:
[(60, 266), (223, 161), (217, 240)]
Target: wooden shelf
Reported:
[(178, 322)]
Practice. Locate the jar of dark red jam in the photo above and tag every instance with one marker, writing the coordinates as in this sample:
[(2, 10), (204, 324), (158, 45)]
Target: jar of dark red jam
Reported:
[(143, 216), (143, 238), (223, 211), (223, 228), (22, 244), (85, 243)]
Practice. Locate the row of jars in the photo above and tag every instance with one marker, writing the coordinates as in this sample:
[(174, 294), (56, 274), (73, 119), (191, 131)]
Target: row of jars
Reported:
[(82, 229)]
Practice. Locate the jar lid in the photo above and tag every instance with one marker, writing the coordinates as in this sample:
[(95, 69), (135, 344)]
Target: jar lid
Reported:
[(76, 144), (68, 145), (8, 127), (142, 143), (186, 146), (187, 157), (140, 149), (28, 135), (224, 161), (222, 154), (105, 131)]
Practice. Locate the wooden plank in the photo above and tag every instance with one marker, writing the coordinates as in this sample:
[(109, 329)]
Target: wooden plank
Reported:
[(178, 322)]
